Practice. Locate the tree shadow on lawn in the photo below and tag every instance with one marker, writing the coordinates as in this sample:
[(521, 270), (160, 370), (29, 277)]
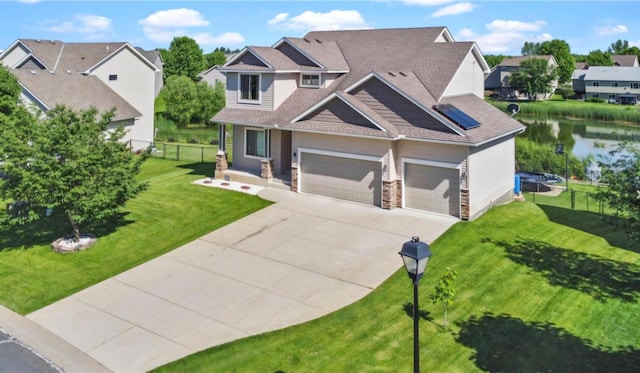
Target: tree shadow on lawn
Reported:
[(423, 314), (594, 275), (506, 344), (49, 229), (205, 169), (605, 226)]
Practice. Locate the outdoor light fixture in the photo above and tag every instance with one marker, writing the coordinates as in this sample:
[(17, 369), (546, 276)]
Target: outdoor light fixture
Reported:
[(415, 255)]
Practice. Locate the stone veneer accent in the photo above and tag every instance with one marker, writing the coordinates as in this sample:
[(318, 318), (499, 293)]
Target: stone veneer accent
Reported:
[(294, 177), (399, 193), (266, 169), (464, 204), (389, 194), (221, 161)]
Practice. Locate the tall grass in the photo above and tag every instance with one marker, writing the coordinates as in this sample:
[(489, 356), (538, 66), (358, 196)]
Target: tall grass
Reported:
[(575, 109), (168, 131)]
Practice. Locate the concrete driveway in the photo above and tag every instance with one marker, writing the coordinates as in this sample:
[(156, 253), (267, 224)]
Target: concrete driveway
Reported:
[(294, 261)]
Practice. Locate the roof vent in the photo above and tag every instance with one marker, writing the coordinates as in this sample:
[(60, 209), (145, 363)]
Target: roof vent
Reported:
[(107, 48), (68, 71), (402, 73), (392, 74), (38, 41), (319, 41), (33, 72), (52, 41), (307, 40)]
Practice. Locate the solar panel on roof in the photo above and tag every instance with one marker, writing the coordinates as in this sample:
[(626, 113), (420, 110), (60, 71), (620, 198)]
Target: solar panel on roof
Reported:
[(457, 116)]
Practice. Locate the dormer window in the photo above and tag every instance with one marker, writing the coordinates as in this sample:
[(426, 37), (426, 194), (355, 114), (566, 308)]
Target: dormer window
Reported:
[(310, 80), (249, 88)]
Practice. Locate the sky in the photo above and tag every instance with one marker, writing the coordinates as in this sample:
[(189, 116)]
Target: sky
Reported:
[(498, 27)]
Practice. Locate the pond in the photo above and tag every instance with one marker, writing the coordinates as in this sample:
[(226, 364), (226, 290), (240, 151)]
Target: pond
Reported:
[(583, 138)]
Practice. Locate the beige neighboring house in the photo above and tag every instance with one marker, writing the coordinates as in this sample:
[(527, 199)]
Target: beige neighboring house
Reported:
[(81, 75), (388, 117), (498, 79), (212, 76), (156, 59)]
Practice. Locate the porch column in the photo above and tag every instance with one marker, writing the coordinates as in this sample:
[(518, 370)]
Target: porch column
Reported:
[(389, 194), (221, 155), (266, 166)]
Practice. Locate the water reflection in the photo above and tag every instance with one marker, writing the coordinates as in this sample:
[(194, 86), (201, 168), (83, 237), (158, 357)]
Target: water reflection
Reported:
[(581, 137)]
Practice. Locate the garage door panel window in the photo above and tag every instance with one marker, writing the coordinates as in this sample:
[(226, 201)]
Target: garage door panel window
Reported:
[(256, 143)]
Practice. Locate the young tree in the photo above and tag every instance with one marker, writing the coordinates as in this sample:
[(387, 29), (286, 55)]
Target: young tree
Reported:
[(494, 60), (535, 76), (209, 100), (184, 58), (70, 161), (621, 175), (9, 91), (561, 51), (444, 291), (599, 58)]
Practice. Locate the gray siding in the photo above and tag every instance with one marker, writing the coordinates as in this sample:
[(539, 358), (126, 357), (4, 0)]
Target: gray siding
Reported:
[(266, 93), (247, 59)]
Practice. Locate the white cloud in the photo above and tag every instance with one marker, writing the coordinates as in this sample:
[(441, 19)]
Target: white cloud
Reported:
[(427, 2), (174, 18), (281, 17), (499, 25), (313, 21), (454, 9), (164, 25), (89, 24), (506, 37), (612, 30)]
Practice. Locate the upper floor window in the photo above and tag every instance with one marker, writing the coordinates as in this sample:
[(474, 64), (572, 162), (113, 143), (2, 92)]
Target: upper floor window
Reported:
[(249, 88), (310, 80), (113, 76), (635, 85), (614, 84), (596, 84)]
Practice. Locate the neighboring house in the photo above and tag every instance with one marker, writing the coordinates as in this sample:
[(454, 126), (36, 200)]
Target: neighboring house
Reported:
[(625, 60), (212, 76), (612, 83), (155, 58), (83, 75), (498, 78), (389, 117)]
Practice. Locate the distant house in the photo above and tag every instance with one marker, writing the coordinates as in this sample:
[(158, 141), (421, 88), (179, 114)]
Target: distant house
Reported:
[(612, 83), (82, 75), (498, 78), (625, 60), (387, 117), (213, 74), (156, 59)]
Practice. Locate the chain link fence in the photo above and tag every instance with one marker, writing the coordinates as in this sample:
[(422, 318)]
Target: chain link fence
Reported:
[(572, 199), (183, 152)]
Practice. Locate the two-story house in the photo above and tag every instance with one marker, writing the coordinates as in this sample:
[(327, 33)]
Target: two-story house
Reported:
[(620, 84), (82, 75), (388, 117), (498, 78)]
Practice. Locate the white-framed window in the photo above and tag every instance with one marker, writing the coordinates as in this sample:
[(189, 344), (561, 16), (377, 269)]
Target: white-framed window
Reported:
[(310, 80), (256, 142), (612, 96), (635, 85), (614, 84), (596, 84), (249, 88)]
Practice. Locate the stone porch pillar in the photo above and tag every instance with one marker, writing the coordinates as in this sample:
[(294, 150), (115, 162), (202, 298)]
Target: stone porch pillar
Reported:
[(266, 169)]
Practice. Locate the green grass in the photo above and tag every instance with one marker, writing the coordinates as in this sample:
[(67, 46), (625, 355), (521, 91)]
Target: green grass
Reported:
[(170, 213), (575, 109), (186, 152), (540, 289)]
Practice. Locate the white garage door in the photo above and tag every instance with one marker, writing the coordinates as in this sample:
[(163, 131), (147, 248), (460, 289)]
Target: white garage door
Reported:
[(343, 178), (430, 188)]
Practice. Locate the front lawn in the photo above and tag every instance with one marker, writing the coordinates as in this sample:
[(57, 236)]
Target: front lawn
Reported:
[(540, 289), (170, 213)]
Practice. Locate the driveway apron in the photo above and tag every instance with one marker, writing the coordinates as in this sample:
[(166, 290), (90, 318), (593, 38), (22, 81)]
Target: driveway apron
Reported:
[(294, 261)]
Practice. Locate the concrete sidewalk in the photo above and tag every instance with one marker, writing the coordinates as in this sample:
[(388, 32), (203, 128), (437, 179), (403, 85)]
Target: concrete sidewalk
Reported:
[(294, 261)]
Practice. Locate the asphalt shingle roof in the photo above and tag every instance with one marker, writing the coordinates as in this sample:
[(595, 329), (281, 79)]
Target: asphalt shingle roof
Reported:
[(409, 59)]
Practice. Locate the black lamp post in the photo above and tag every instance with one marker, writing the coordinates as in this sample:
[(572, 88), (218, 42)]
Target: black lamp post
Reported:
[(560, 150), (415, 255)]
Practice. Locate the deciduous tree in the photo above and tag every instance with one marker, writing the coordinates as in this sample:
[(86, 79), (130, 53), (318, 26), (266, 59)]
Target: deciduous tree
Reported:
[(561, 51), (535, 76), (184, 58), (599, 58), (74, 162), (530, 49)]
